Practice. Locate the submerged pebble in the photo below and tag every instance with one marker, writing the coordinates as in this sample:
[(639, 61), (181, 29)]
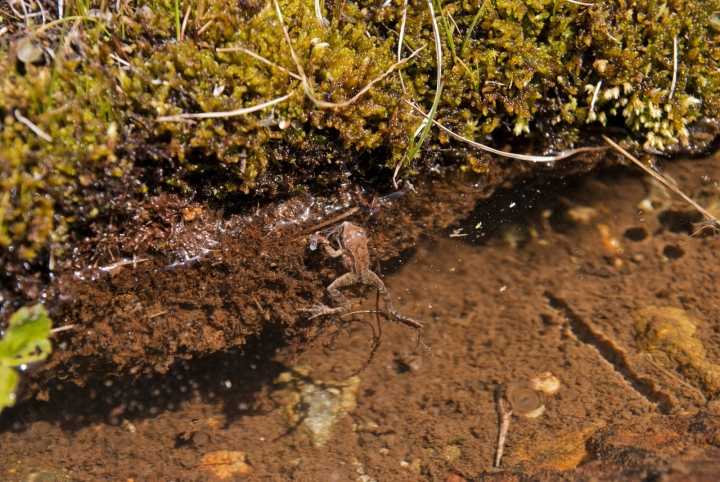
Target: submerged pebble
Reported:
[(200, 439)]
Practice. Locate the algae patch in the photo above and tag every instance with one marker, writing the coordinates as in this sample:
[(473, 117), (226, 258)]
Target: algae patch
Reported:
[(565, 451), (667, 336), (315, 405)]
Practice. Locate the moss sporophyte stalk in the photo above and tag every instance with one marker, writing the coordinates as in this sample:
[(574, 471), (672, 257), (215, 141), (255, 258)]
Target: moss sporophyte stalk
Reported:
[(81, 95)]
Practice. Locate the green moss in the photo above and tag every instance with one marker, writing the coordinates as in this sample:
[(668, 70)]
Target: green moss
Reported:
[(526, 67)]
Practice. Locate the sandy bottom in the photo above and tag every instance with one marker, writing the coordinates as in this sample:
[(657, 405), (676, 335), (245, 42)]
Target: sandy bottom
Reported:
[(533, 286)]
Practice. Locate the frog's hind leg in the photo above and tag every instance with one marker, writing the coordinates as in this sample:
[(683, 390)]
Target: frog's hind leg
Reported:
[(347, 279), (372, 279)]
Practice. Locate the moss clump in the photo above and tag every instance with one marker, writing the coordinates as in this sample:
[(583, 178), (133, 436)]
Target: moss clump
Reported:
[(511, 67), (667, 336)]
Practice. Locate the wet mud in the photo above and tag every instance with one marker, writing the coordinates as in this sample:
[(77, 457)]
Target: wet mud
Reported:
[(595, 280), (166, 278)]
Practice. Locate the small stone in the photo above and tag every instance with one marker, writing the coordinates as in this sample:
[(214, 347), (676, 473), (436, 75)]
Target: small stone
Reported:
[(225, 464), (546, 382), (451, 452), (415, 467), (41, 428), (200, 439)]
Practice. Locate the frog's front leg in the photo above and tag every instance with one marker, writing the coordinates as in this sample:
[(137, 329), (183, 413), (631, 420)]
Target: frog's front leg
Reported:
[(332, 252), (370, 278), (347, 279)]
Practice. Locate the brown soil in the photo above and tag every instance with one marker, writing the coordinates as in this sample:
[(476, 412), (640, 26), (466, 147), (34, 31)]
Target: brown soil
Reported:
[(165, 278), (563, 300)]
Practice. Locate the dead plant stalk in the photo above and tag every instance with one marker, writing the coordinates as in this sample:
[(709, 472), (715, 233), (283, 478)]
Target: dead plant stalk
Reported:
[(708, 216), (502, 433), (564, 154), (438, 92)]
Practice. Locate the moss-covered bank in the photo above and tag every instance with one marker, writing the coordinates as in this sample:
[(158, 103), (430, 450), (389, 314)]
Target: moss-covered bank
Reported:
[(544, 70)]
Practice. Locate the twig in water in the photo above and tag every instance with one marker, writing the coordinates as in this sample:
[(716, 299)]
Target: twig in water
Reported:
[(344, 215), (231, 113), (33, 127), (260, 58), (711, 220), (675, 67), (306, 84), (564, 154), (504, 417)]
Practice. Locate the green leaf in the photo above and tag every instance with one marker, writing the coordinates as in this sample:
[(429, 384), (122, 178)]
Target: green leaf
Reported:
[(8, 385), (26, 339)]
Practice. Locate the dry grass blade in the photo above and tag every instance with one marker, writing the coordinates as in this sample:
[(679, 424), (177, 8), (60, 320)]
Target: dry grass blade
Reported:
[(402, 31), (184, 23), (675, 67), (414, 148), (504, 416), (24, 120), (231, 113), (260, 58), (306, 85), (709, 217), (318, 13), (563, 155), (205, 27)]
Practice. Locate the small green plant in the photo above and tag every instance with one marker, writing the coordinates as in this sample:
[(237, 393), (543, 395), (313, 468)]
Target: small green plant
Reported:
[(25, 341)]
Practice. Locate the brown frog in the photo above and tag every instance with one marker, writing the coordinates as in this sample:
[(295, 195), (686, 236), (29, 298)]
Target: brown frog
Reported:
[(354, 253)]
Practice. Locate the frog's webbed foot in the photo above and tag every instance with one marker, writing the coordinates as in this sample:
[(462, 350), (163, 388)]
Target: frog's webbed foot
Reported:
[(320, 310)]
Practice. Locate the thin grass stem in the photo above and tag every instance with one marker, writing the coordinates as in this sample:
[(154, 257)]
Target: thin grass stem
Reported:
[(232, 113), (564, 154), (472, 26), (33, 127), (260, 58), (675, 67), (177, 20), (712, 219)]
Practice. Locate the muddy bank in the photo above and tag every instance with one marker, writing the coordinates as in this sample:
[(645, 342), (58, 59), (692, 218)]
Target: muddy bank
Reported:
[(164, 278), (577, 281)]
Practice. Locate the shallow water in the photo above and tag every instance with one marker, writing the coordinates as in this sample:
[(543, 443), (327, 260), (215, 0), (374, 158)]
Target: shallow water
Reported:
[(541, 279)]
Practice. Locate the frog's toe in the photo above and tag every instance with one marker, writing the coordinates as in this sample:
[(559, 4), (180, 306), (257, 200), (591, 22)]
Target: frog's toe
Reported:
[(317, 310)]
